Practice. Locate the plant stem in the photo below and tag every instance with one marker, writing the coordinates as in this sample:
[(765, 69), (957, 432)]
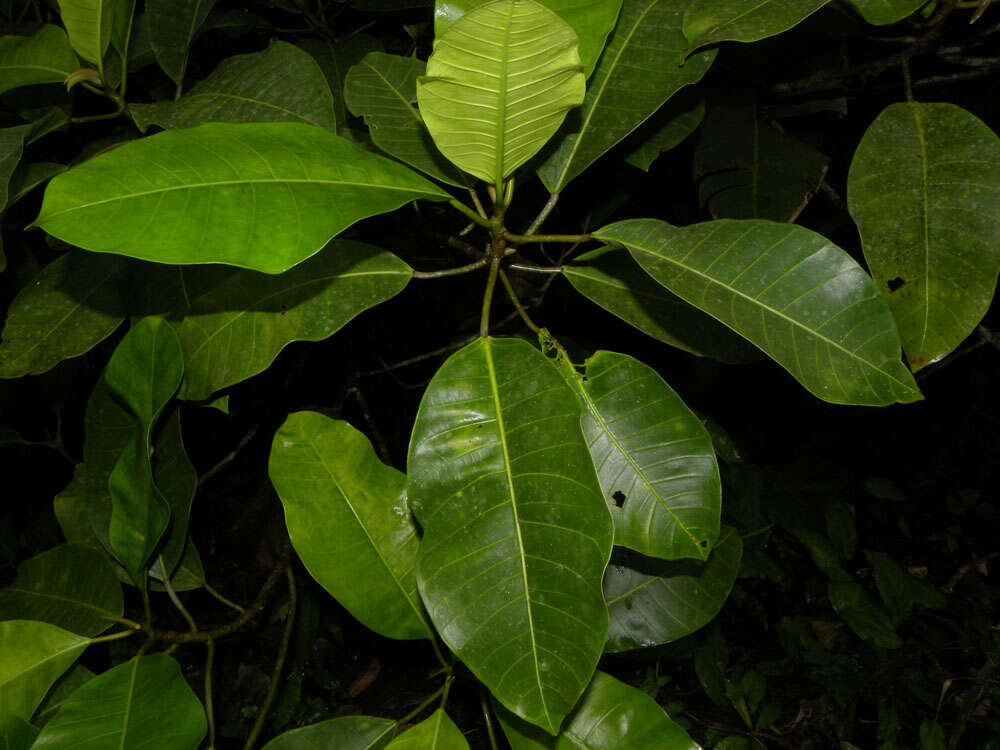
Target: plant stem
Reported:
[(113, 637), (491, 282), (221, 598), (478, 203), (489, 720), (209, 705), (423, 706), (452, 271), (520, 239), (543, 214), (176, 599), (518, 306), (534, 269), (470, 214)]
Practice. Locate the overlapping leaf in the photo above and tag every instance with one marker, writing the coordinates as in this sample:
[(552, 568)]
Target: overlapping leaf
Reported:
[(347, 518), (263, 196), (924, 189), (805, 302), (712, 21), (516, 533), (16, 733), (144, 702), (280, 84), (173, 25), (610, 714), (44, 57), (863, 614), (383, 89), (436, 732), (499, 83), (665, 130), (88, 24), (640, 69), (345, 733), (652, 602), (64, 687), (335, 60), (34, 655), (883, 12)]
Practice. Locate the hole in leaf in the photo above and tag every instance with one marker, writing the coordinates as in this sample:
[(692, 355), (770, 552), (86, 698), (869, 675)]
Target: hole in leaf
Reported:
[(896, 284), (619, 498), (703, 543)]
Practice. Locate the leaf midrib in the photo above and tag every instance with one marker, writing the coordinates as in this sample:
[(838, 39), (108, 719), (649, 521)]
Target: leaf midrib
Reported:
[(925, 221)]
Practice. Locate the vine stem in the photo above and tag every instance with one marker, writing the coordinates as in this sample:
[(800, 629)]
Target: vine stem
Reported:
[(491, 282)]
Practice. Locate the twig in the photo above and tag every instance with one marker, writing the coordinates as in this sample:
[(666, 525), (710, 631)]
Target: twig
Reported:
[(534, 269), (484, 318), (481, 263), (209, 704), (176, 599), (521, 239), (543, 214), (228, 458), (380, 445), (965, 569), (487, 718), (518, 306), (424, 704), (477, 203), (220, 597)]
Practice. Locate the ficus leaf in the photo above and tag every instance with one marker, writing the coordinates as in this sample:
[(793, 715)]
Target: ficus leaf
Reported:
[(436, 732), (884, 12), (33, 657), (44, 57), (173, 25), (88, 24), (344, 733), (712, 21)]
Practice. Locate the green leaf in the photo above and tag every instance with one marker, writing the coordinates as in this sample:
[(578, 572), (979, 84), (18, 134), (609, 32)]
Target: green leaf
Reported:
[(146, 369), (11, 148), (345, 733), (88, 24), (840, 528), (280, 84), (383, 89), (884, 12), (665, 130), (611, 714), (34, 655), (712, 21), (893, 584), (44, 57), (121, 26), (932, 736), (348, 521), (863, 614), (516, 533), (16, 733), (499, 84), (436, 732), (258, 314), (336, 60), (142, 703), (609, 277), (72, 305), (176, 478), (64, 687), (263, 196), (823, 554), (639, 71), (651, 602), (592, 20), (29, 176), (924, 189), (173, 25), (654, 459), (747, 168), (788, 290), (71, 586)]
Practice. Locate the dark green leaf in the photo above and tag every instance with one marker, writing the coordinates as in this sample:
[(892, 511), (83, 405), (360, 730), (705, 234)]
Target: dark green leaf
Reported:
[(64, 687), (932, 736), (16, 733), (142, 703), (840, 528), (651, 603), (436, 732), (11, 148), (34, 655), (347, 518), (263, 196), (800, 298), (173, 25), (924, 189), (177, 480), (666, 129), (146, 369), (29, 176), (863, 614), (824, 554), (336, 60), (280, 84), (884, 12), (516, 533), (345, 733), (893, 584), (71, 586), (88, 25), (44, 57), (712, 21)]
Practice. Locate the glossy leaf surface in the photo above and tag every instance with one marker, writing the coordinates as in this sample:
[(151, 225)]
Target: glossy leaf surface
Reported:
[(345, 733), (280, 84), (383, 89), (499, 83), (71, 586), (33, 657), (790, 291), (639, 70), (884, 12), (16, 733), (347, 518), (611, 278), (88, 25), (665, 130), (652, 602), (712, 21), (257, 314), (72, 305), (653, 457), (173, 25), (592, 20), (44, 57), (610, 714), (436, 732), (924, 189), (516, 533), (142, 703), (261, 196)]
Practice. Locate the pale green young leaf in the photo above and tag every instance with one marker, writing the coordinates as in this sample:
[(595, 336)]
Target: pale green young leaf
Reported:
[(88, 24), (924, 189), (516, 532), (344, 733), (713, 21), (44, 57), (436, 732), (884, 12), (805, 302), (499, 84), (33, 656), (263, 196), (173, 25)]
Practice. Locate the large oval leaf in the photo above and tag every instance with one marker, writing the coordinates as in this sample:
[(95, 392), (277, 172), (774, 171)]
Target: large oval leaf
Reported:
[(34, 655), (790, 291), (263, 196), (280, 84), (499, 83), (610, 278), (651, 602), (654, 459), (924, 188), (611, 714), (516, 533), (348, 521), (142, 703), (88, 24), (71, 586), (436, 732), (712, 21), (173, 25), (592, 20), (345, 733), (640, 69), (258, 314), (44, 57), (383, 89)]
